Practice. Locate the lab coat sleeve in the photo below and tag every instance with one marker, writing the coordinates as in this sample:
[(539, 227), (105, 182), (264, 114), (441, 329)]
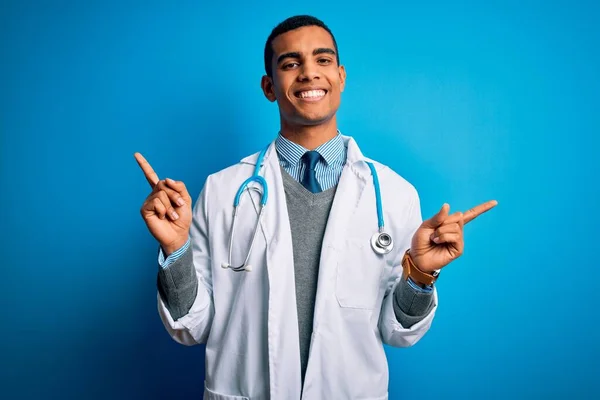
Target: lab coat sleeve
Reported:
[(193, 327), (392, 331)]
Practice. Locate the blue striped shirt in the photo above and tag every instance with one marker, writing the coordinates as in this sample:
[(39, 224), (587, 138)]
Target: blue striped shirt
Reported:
[(174, 256), (328, 169)]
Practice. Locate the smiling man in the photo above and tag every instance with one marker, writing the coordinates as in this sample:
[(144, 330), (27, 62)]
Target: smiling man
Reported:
[(306, 81), (296, 299)]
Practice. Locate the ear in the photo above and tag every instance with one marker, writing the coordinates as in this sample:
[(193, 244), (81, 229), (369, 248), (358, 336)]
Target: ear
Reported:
[(266, 83), (342, 72)]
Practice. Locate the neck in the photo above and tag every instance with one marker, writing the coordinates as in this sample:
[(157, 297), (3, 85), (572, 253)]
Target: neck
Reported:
[(310, 137)]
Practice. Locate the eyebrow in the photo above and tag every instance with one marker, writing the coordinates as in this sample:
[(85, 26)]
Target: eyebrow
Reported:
[(295, 54)]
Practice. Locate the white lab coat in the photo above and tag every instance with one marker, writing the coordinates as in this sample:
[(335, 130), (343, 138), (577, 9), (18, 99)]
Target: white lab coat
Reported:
[(248, 319)]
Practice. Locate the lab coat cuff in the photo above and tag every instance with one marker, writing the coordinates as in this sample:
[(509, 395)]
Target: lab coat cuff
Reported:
[(393, 332)]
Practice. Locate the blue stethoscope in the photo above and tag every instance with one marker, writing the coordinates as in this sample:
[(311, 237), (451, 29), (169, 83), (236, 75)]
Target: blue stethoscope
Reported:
[(381, 242)]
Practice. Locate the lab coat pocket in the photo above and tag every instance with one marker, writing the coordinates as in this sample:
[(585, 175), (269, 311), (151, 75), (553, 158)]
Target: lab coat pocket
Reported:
[(211, 395), (358, 277)]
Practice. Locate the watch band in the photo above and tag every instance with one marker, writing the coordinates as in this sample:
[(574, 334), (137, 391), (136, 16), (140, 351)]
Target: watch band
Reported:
[(416, 274)]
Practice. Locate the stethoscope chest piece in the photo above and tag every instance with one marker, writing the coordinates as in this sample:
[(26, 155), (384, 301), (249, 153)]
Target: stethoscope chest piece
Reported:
[(382, 243)]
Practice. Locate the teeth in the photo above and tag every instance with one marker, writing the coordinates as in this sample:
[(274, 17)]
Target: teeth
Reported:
[(312, 93)]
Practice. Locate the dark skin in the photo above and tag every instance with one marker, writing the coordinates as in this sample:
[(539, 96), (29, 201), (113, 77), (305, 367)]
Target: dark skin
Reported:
[(307, 84), (305, 59)]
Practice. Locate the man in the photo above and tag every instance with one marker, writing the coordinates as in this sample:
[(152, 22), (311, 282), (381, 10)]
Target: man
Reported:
[(309, 318)]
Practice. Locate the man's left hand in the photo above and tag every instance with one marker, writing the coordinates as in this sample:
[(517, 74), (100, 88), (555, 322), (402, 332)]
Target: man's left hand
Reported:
[(439, 240)]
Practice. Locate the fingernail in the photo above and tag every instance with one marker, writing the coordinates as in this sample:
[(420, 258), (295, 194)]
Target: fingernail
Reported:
[(180, 201), (436, 239), (174, 215)]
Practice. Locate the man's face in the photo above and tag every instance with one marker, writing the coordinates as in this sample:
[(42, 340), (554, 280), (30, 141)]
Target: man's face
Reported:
[(307, 81)]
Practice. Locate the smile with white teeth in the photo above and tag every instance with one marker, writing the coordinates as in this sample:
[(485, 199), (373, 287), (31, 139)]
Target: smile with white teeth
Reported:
[(311, 94)]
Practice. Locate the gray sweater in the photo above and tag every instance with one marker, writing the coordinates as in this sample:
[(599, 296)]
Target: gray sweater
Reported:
[(308, 214)]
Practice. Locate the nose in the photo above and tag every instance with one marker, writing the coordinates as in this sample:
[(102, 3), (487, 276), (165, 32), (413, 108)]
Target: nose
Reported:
[(308, 72)]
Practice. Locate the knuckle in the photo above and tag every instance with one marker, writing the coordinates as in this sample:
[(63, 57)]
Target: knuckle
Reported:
[(174, 183)]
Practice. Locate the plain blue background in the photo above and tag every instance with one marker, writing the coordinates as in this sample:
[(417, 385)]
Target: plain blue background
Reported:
[(469, 102)]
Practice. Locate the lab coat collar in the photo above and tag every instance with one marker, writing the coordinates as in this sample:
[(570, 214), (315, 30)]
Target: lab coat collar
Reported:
[(354, 158)]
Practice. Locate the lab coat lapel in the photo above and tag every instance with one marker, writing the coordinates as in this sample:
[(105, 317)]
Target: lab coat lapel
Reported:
[(283, 341), (348, 195)]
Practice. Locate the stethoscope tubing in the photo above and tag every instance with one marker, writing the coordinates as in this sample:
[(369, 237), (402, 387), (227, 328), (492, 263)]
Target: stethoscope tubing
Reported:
[(381, 242)]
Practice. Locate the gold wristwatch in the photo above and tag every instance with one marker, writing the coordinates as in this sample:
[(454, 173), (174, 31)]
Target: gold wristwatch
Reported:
[(416, 274)]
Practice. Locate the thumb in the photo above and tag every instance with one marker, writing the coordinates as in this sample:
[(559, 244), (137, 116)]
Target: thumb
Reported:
[(438, 218)]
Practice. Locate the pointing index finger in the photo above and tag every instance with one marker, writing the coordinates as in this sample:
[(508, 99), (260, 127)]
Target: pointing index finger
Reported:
[(149, 173), (478, 210)]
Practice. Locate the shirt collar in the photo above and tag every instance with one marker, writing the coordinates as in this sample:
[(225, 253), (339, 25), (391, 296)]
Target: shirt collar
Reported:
[(332, 151)]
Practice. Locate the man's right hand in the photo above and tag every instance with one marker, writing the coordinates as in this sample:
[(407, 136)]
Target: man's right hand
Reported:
[(167, 210)]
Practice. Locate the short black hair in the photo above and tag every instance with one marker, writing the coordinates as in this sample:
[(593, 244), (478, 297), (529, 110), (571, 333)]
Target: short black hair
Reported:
[(289, 24)]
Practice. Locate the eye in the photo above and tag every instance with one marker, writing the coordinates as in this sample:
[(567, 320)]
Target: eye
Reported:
[(290, 65), (324, 61)]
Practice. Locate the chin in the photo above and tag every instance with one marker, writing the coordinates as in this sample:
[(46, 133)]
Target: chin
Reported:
[(313, 119)]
